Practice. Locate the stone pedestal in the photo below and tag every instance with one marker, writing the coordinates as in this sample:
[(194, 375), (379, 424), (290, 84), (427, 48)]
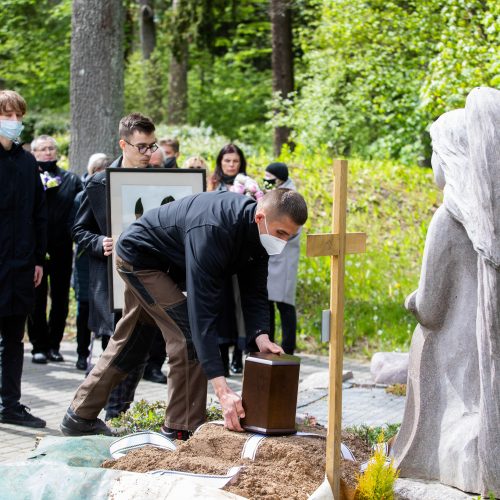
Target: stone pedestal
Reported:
[(270, 386)]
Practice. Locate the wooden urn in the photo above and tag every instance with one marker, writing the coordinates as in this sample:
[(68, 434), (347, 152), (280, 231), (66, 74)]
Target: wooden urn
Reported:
[(270, 386)]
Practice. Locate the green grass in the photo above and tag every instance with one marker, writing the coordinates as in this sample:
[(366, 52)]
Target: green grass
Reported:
[(393, 204), (371, 435)]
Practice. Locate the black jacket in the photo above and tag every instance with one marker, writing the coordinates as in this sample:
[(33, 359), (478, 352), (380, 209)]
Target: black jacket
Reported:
[(23, 229), (89, 230), (60, 202), (205, 239)]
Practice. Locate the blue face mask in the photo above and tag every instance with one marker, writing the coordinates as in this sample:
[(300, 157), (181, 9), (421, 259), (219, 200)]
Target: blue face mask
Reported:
[(11, 129)]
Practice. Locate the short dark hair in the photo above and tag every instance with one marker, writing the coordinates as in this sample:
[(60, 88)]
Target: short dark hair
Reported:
[(11, 100), (135, 121), (285, 202), (227, 149)]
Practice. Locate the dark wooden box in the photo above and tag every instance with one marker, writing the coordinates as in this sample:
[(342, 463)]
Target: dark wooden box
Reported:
[(270, 385)]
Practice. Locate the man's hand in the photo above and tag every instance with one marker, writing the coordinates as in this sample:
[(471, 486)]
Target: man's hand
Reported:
[(107, 246), (265, 345), (232, 407), (37, 279)]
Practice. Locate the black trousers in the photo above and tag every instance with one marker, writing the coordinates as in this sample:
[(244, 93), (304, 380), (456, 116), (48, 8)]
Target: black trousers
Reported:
[(11, 359), (43, 334), (288, 318), (83, 333)]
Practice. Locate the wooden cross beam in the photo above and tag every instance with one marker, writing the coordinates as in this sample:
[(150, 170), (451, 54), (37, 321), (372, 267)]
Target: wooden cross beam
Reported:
[(336, 245)]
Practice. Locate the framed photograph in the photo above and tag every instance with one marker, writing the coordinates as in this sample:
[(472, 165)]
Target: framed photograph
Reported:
[(132, 192)]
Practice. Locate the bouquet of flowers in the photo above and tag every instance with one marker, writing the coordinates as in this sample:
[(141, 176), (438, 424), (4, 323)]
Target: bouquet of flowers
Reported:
[(247, 186), (49, 180)]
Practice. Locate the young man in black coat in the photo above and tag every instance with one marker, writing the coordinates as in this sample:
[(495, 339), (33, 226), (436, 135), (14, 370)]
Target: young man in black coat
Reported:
[(198, 241), (138, 142), (61, 188), (23, 233)]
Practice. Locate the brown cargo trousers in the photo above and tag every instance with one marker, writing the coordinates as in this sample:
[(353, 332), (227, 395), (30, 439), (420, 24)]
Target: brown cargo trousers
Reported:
[(154, 294)]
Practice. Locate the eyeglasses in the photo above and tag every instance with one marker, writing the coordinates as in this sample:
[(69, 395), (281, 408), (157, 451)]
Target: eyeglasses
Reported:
[(142, 148)]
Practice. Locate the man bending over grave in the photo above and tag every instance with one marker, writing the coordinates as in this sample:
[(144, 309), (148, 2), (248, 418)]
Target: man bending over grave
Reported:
[(192, 244)]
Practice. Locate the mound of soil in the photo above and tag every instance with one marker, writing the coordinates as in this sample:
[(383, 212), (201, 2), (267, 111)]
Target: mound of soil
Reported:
[(287, 467)]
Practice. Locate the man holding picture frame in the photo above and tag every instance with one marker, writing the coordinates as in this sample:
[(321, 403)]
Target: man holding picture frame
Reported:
[(195, 244), (90, 232)]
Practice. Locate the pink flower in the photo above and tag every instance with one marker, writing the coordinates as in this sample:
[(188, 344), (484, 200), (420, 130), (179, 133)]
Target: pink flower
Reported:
[(247, 186)]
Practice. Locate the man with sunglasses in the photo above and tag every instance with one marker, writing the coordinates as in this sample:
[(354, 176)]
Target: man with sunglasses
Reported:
[(137, 142)]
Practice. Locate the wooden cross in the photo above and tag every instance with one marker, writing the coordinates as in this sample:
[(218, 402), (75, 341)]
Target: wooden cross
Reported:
[(336, 245)]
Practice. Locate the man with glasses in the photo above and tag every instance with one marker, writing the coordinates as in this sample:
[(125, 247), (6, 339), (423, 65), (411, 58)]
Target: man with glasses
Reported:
[(61, 188), (137, 142)]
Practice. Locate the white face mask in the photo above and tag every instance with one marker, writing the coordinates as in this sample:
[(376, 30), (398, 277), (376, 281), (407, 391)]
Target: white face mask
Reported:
[(272, 244)]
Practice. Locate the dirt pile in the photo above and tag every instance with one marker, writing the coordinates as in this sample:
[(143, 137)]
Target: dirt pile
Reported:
[(288, 467)]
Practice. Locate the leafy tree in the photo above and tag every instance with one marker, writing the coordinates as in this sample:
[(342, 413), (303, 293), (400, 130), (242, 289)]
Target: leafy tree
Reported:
[(34, 51), (380, 71)]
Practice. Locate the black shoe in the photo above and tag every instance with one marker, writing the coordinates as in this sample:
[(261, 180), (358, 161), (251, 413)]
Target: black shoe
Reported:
[(154, 374), (73, 425), (39, 358), (81, 364), (19, 415), (54, 355), (237, 364), (174, 434)]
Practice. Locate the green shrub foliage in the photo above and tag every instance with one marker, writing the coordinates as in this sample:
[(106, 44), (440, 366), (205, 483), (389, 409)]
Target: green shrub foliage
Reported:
[(379, 72)]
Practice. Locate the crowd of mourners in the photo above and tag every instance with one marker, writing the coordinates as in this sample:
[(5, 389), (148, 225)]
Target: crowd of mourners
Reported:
[(54, 236)]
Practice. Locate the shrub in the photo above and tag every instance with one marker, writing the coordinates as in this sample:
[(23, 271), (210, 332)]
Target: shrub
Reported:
[(144, 416), (378, 73), (141, 416), (377, 482)]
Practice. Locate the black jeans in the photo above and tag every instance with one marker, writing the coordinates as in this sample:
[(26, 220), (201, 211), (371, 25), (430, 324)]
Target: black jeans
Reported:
[(288, 325), (11, 359), (83, 334), (43, 334)]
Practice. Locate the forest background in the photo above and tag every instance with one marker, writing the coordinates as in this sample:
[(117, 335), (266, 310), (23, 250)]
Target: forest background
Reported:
[(302, 80)]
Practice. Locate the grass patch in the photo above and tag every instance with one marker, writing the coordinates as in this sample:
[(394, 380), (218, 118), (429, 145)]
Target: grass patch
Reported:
[(371, 435), (393, 204)]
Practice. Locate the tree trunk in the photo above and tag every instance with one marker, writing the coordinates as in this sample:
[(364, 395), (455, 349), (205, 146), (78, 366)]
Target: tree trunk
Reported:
[(96, 90), (148, 29), (177, 92), (282, 60)]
